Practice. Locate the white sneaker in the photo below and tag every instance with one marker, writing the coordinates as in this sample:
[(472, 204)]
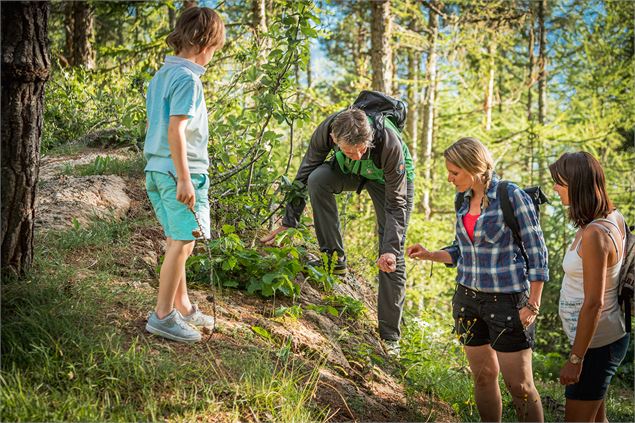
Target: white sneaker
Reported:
[(172, 327), (198, 318), (392, 349)]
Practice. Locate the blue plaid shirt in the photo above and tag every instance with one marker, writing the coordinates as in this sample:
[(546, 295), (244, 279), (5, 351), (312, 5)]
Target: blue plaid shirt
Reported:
[(493, 262)]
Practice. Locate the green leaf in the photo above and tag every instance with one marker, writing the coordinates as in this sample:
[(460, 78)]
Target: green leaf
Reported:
[(262, 332), (228, 229)]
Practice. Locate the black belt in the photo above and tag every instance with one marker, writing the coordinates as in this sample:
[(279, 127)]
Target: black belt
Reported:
[(491, 296)]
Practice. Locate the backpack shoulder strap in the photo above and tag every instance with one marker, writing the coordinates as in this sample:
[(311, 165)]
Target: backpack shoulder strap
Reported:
[(502, 194), (506, 205)]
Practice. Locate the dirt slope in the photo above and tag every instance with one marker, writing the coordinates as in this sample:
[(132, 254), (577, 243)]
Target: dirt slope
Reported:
[(357, 381)]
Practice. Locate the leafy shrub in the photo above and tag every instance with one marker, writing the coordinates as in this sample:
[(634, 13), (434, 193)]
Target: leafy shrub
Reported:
[(233, 265), (78, 102)]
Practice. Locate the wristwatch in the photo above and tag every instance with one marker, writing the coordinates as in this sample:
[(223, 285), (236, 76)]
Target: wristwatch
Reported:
[(574, 359)]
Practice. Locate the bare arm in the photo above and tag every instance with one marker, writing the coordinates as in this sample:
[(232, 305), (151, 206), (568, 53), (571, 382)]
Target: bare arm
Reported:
[(595, 252), (418, 252), (178, 150)]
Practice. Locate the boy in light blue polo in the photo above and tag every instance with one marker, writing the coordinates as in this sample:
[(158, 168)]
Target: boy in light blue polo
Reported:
[(177, 165)]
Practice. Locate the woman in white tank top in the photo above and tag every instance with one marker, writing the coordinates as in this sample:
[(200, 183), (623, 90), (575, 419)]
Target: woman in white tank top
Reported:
[(588, 307)]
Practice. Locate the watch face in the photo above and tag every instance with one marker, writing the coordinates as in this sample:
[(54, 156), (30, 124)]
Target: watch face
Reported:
[(575, 359)]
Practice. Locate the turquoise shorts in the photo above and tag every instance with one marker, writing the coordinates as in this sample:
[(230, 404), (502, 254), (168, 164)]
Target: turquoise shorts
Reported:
[(177, 220)]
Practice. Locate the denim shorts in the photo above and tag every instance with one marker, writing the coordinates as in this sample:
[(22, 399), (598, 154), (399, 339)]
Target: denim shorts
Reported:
[(482, 318), (177, 220), (598, 368)]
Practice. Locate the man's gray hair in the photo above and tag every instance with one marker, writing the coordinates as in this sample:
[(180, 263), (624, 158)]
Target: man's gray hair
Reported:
[(352, 127)]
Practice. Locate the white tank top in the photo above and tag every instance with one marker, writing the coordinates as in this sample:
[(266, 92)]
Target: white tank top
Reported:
[(611, 324)]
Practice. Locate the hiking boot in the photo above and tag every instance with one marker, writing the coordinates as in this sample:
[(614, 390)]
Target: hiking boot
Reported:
[(339, 268), (172, 327), (198, 318), (392, 349)]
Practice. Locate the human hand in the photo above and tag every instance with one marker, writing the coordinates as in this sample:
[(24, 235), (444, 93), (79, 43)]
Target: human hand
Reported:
[(271, 236), (570, 373), (527, 317), (387, 262), (418, 252), (185, 193)]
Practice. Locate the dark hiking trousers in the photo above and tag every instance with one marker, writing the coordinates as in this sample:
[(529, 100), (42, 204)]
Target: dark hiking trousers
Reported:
[(323, 183)]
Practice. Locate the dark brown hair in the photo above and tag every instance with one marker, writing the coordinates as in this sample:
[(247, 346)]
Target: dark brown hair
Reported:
[(584, 178), (197, 27), (352, 127)]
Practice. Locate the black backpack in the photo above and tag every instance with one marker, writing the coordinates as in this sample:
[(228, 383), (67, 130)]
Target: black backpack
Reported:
[(380, 106), (626, 280), (537, 198)]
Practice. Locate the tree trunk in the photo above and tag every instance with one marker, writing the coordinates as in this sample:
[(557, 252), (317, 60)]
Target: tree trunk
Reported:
[(308, 68), (529, 162), (531, 65), (542, 62), (83, 54), (429, 106), (259, 16), (413, 100), (171, 17), (381, 55), (69, 30), (489, 90), (394, 78), (25, 69)]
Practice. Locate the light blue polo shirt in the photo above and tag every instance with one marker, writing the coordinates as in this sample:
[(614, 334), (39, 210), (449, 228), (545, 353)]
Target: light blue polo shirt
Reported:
[(176, 89)]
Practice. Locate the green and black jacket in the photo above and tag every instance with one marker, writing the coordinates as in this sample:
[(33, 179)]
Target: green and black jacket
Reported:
[(388, 155)]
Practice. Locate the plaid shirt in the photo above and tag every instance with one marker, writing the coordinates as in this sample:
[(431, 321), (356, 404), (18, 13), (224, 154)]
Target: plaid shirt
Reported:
[(493, 262)]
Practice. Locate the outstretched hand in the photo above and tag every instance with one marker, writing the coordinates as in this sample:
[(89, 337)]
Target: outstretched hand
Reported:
[(271, 236), (418, 252)]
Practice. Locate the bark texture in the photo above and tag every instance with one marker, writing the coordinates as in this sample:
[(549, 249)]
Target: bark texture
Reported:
[(381, 54), (25, 69), (429, 105), (542, 63)]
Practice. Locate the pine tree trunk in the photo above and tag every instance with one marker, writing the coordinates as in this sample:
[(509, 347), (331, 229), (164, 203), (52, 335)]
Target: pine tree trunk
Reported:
[(542, 90), (25, 69), (171, 17), (381, 54), (429, 106), (489, 90), (413, 100), (259, 17), (308, 69), (531, 66), (542, 61), (69, 30), (529, 162), (83, 18)]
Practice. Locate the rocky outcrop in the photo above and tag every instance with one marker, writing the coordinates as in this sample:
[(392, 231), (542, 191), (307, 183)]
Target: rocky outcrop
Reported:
[(61, 198)]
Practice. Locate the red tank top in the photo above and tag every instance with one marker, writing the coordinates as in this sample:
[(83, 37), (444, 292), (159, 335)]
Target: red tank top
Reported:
[(469, 221)]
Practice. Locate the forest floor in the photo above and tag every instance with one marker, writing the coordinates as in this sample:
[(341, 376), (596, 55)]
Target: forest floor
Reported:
[(101, 230)]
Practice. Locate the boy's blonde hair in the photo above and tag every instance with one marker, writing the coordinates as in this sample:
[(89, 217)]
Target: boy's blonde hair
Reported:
[(199, 27)]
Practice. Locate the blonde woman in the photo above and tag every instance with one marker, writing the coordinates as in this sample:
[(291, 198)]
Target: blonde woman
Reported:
[(498, 292)]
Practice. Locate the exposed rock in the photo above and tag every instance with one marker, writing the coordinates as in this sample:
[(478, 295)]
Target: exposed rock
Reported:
[(53, 166), (61, 200)]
